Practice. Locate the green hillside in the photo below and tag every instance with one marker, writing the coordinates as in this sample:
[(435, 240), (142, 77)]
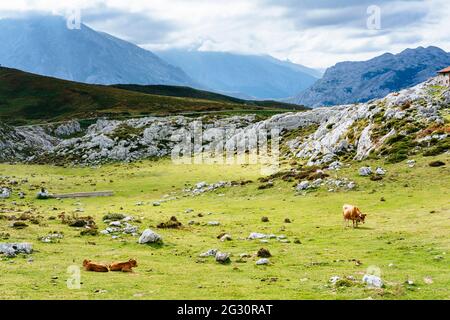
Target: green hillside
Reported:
[(187, 92), (29, 98)]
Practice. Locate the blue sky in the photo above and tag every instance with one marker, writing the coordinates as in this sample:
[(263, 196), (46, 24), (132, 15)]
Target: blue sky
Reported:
[(316, 33)]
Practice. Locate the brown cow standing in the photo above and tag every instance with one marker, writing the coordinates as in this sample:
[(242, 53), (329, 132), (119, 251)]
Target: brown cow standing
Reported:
[(354, 214)]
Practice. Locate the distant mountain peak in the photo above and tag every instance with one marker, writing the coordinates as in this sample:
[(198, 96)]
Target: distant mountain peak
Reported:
[(43, 44), (353, 82), (243, 75)]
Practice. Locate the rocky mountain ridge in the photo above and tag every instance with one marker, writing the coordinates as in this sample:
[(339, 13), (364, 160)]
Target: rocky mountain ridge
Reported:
[(361, 81), (403, 123)]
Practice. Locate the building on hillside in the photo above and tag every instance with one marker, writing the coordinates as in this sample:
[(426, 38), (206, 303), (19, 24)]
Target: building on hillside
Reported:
[(444, 77)]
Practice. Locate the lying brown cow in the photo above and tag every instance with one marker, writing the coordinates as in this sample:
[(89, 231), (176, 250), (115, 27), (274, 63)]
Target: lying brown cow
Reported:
[(354, 214), (123, 266), (95, 267)]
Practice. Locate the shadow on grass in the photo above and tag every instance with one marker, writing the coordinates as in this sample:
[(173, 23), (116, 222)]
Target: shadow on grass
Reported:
[(157, 245)]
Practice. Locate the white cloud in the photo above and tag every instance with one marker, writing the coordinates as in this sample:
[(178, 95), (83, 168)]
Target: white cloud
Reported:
[(314, 33)]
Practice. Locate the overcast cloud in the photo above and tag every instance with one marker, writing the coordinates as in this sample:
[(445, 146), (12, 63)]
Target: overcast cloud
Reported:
[(316, 33)]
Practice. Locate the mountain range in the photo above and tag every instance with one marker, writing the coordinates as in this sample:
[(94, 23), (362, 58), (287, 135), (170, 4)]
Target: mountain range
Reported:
[(44, 45), (244, 76), (353, 82)]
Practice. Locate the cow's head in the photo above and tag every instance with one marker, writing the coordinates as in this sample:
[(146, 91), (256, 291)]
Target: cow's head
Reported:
[(133, 262), (362, 217)]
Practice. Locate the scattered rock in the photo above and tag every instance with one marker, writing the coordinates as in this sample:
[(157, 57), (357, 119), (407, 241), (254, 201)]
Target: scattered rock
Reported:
[(226, 237), (304, 185), (209, 253), (365, 171), (380, 171), (256, 235), (411, 163), (43, 195), (336, 165), (115, 224), (223, 257), (262, 262), (265, 219), (214, 223), (334, 279), (51, 238), (5, 193), (372, 281), (149, 236), (12, 249)]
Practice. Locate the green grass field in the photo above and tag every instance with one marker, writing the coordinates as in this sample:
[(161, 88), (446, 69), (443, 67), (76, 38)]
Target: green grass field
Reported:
[(406, 236)]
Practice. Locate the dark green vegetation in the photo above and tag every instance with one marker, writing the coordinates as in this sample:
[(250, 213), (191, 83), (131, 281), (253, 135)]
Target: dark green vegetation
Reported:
[(29, 98)]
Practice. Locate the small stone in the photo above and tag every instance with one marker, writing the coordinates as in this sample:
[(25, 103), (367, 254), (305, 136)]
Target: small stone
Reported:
[(262, 262), (365, 171), (265, 219), (209, 253), (223, 258), (226, 237), (115, 224), (372, 281), (256, 235), (304, 185), (334, 279)]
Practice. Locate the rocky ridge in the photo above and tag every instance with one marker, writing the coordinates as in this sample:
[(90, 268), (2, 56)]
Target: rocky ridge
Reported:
[(403, 123)]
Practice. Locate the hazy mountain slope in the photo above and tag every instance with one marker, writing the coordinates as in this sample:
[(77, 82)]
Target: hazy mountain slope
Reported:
[(44, 45), (187, 92), (260, 77), (351, 82)]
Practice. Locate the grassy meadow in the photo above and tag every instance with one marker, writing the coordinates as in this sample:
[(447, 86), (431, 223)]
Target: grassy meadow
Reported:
[(406, 236)]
